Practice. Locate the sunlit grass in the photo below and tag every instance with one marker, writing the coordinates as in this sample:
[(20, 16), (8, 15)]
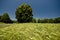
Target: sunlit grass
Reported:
[(30, 31)]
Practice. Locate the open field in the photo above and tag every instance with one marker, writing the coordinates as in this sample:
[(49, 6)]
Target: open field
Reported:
[(30, 31)]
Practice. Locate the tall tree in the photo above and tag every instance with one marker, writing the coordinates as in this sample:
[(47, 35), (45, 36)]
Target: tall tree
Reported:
[(24, 13), (5, 18)]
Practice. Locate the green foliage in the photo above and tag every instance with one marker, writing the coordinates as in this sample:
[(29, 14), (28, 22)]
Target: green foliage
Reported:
[(44, 20), (24, 13), (5, 18), (36, 21), (51, 20), (33, 20), (57, 20), (39, 21), (0, 18), (47, 20)]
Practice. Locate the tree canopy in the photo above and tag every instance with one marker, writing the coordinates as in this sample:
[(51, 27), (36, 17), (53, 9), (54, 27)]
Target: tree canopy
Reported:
[(5, 18), (24, 13)]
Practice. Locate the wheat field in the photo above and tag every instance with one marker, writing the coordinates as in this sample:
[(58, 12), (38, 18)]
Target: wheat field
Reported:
[(30, 31)]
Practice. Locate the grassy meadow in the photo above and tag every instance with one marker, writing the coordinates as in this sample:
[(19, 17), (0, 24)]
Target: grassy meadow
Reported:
[(30, 31)]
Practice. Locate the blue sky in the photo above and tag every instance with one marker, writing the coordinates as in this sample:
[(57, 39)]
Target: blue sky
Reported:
[(41, 8)]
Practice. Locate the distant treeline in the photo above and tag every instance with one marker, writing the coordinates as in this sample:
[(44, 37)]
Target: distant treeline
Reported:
[(6, 19), (23, 14), (51, 20)]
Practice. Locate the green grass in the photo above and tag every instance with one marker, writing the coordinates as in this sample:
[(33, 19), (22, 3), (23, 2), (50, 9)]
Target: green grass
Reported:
[(30, 31)]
